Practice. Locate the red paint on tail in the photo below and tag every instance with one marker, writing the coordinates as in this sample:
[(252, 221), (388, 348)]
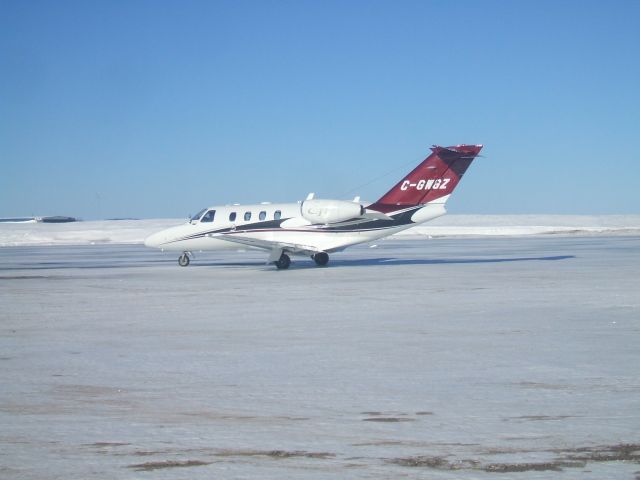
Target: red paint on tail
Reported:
[(434, 178)]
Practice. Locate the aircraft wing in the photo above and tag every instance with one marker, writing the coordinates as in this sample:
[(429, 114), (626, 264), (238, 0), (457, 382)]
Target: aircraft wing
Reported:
[(276, 248)]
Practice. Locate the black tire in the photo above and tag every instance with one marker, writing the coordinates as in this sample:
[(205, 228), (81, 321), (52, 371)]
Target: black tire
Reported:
[(284, 262), (321, 258), (183, 260)]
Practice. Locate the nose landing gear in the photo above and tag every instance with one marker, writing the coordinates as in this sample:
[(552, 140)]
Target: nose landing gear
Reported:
[(184, 260)]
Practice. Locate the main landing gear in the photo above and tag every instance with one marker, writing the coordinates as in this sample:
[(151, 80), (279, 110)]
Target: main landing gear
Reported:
[(321, 258), (184, 260), (283, 262)]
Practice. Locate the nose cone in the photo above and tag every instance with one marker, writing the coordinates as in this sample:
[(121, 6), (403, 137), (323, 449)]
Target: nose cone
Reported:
[(154, 240), (170, 239)]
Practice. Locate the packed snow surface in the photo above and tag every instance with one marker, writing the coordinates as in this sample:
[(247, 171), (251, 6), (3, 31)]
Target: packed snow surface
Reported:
[(443, 358), (135, 231)]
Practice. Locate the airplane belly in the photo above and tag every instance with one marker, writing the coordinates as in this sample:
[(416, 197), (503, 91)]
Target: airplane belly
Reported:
[(198, 244), (322, 241)]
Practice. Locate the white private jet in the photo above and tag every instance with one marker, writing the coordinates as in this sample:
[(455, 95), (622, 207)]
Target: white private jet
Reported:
[(318, 227)]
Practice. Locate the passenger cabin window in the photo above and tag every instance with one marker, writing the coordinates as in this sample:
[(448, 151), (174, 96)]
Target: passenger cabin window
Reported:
[(262, 215), (209, 216), (247, 216), (232, 217), (277, 214)]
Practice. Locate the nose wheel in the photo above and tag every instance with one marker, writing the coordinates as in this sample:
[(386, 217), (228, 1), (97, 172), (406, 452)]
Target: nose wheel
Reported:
[(183, 260)]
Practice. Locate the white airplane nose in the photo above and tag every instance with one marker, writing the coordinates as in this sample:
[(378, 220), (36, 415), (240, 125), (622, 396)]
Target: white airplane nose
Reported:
[(153, 240)]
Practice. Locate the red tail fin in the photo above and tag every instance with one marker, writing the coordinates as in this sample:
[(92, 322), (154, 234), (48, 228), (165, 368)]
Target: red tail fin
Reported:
[(434, 178)]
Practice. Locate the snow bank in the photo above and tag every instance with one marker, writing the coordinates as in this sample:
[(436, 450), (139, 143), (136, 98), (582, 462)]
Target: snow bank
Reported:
[(135, 231), (82, 233), (457, 225)]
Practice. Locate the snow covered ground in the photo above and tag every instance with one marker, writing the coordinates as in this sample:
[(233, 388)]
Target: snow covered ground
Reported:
[(135, 231), (423, 358)]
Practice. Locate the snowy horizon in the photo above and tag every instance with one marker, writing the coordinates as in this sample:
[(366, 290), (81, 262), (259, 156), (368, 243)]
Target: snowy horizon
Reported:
[(135, 231)]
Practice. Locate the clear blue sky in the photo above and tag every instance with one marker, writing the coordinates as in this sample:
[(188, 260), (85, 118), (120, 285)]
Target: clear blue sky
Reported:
[(156, 109)]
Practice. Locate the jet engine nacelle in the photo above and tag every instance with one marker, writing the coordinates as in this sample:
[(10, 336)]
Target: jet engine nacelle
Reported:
[(330, 211)]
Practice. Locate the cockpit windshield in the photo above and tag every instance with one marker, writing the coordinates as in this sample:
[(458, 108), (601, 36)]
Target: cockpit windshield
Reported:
[(198, 215), (208, 217)]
